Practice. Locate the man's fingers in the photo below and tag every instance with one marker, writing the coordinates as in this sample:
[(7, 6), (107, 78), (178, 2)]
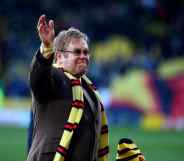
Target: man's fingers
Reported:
[(51, 24), (41, 28), (45, 30), (42, 20)]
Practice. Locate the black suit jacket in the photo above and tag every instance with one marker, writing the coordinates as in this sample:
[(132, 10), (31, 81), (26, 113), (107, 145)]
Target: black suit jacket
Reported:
[(51, 105)]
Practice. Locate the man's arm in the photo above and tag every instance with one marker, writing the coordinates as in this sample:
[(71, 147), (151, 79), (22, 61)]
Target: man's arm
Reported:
[(40, 74)]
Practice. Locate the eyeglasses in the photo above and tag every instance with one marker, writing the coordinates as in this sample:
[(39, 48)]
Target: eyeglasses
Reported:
[(77, 52)]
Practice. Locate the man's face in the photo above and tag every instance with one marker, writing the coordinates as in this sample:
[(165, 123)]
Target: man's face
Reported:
[(76, 57)]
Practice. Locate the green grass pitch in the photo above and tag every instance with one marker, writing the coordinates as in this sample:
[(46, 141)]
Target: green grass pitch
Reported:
[(157, 146)]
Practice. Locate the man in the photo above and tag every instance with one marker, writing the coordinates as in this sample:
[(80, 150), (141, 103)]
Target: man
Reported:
[(69, 119)]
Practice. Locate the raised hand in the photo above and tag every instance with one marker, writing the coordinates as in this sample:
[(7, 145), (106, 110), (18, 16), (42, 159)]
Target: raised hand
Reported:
[(46, 31)]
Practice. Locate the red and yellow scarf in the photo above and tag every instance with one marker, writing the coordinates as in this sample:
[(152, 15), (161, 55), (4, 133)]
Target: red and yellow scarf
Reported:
[(74, 118)]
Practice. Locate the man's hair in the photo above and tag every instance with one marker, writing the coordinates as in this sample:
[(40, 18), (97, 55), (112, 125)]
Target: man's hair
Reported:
[(64, 37)]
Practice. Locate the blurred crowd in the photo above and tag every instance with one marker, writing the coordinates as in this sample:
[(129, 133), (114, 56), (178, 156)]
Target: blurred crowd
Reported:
[(137, 49)]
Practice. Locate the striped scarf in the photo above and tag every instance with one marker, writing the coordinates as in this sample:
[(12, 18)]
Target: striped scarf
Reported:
[(77, 109), (127, 150)]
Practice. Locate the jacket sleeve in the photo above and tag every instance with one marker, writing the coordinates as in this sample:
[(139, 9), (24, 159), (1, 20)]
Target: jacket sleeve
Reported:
[(40, 77)]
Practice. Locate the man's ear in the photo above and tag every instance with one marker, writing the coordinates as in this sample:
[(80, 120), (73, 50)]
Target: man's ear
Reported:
[(58, 57)]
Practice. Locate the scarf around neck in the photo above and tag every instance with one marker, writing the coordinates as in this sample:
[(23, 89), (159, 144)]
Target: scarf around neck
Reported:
[(77, 109)]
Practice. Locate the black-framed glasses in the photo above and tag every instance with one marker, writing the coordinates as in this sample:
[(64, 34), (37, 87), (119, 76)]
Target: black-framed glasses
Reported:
[(77, 51)]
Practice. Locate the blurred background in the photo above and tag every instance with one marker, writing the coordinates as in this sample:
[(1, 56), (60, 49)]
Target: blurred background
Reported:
[(137, 64)]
